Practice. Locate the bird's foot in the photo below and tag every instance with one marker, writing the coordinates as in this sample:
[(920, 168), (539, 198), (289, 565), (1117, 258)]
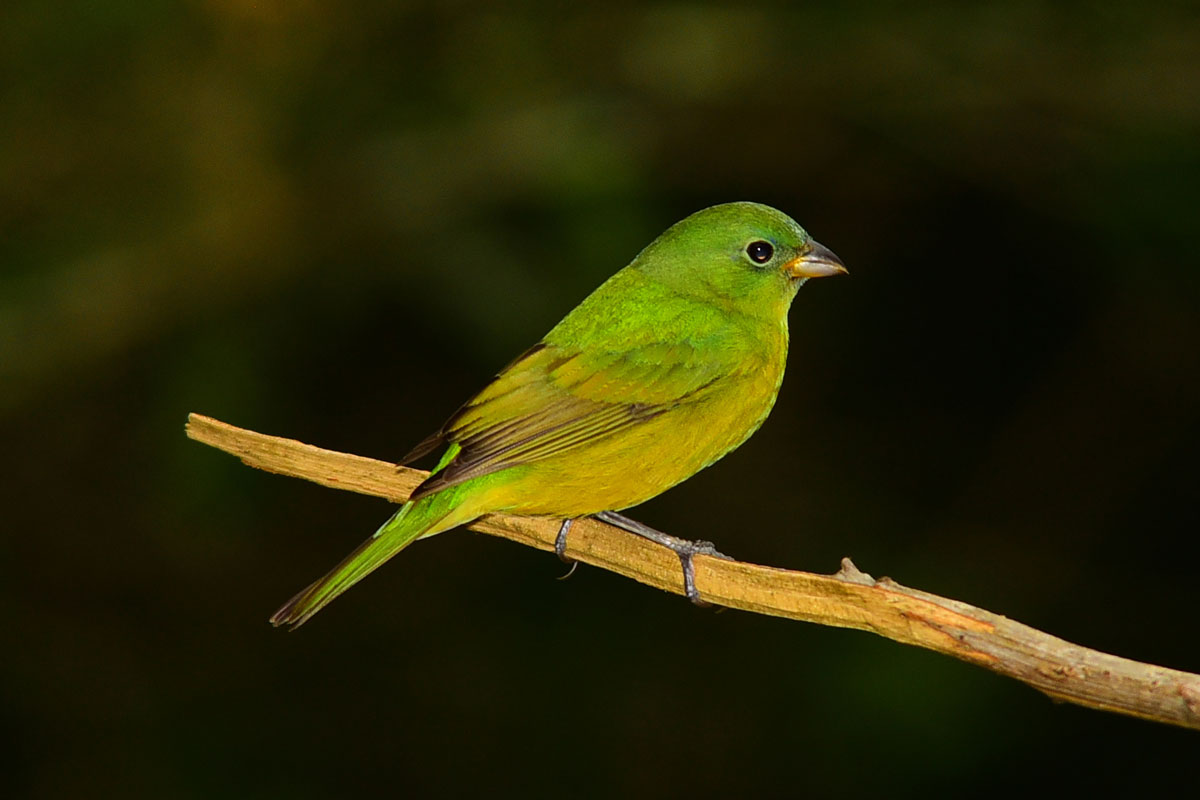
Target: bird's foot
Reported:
[(560, 542), (684, 548), (560, 548)]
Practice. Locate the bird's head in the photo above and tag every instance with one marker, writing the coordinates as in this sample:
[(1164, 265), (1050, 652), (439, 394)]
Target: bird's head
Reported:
[(745, 256)]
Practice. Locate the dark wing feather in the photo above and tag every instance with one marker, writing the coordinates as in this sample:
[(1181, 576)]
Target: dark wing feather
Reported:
[(436, 439)]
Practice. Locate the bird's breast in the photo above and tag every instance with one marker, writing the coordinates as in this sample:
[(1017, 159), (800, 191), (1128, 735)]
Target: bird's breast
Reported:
[(640, 462)]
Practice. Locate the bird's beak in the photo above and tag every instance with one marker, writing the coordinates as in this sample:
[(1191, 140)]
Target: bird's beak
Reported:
[(818, 262)]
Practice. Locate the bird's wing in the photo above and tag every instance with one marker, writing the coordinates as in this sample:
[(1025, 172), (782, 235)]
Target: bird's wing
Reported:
[(554, 398)]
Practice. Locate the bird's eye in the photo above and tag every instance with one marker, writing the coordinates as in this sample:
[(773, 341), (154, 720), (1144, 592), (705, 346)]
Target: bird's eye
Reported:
[(760, 252)]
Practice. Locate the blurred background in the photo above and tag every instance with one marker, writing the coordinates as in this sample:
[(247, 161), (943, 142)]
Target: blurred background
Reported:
[(334, 221)]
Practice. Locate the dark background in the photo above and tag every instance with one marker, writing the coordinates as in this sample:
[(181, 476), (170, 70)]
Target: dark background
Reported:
[(333, 221)]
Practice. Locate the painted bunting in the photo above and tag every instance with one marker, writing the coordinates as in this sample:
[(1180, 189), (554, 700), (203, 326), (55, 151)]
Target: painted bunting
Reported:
[(672, 363)]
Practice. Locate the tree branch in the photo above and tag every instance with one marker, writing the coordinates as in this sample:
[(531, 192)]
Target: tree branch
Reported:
[(848, 599)]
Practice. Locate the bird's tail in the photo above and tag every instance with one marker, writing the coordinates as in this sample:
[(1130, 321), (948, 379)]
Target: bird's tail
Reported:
[(424, 517)]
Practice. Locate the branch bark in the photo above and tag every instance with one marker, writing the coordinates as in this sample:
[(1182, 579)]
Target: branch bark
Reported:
[(847, 599)]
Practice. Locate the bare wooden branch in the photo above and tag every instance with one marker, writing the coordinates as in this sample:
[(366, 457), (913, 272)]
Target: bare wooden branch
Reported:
[(848, 599)]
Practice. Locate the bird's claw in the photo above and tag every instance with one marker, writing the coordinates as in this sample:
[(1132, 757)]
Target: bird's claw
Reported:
[(704, 548), (689, 580), (686, 550), (560, 545)]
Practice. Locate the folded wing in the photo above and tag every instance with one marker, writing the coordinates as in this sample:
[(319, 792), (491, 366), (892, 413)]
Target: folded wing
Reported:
[(555, 398)]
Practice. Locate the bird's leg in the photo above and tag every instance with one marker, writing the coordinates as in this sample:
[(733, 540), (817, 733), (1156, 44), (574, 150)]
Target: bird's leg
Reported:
[(683, 548)]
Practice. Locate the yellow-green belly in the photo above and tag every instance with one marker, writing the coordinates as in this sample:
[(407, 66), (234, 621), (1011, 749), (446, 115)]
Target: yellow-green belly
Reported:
[(633, 465)]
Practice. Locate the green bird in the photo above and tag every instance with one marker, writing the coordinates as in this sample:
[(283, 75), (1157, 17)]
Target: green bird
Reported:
[(672, 363)]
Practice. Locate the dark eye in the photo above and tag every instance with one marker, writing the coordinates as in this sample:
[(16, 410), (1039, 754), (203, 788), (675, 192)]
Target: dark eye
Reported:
[(760, 252)]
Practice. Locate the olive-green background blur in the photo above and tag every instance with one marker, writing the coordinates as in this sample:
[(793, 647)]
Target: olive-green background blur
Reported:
[(334, 220)]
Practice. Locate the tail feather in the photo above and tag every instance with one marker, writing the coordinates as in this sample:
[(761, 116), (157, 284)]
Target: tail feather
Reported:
[(413, 520)]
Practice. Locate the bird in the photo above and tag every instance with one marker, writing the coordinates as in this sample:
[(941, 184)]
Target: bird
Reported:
[(669, 365)]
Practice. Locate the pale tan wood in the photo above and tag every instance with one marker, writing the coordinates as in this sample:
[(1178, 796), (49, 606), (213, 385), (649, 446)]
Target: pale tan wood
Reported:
[(848, 599)]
